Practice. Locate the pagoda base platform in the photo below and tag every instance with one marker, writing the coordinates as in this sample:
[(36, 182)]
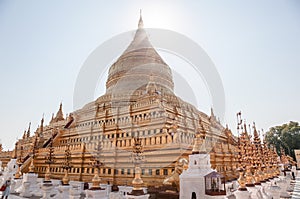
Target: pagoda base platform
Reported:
[(96, 194)]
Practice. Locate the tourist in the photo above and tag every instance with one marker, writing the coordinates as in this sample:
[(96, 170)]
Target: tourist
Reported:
[(293, 175), (7, 188)]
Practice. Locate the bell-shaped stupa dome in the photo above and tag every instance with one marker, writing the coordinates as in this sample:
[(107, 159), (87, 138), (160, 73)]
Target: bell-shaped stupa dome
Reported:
[(137, 66)]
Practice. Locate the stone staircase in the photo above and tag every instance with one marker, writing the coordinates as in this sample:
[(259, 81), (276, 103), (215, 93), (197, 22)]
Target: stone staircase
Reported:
[(28, 158)]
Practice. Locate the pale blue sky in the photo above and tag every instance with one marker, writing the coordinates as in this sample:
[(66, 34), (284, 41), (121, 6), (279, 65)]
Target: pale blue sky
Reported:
[(255, 46)]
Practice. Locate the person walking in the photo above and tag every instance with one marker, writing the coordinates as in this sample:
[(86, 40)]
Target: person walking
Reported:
[(7, 188)]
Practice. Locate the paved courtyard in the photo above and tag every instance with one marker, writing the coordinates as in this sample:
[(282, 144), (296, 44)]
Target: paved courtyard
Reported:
[(295, 194)]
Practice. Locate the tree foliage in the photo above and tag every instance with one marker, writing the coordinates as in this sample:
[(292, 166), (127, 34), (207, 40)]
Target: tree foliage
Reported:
[(286, 136)]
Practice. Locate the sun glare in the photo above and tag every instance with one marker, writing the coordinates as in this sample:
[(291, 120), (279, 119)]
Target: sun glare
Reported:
[(160, 15)]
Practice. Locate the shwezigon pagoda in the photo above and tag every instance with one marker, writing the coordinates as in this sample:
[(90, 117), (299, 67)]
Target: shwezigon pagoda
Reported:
[(139, 104)]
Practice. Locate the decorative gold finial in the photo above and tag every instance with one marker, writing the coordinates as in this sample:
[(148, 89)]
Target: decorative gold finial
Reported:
[(47, 175), (249, 177), (197, 143), (239, 122), (42, 124), (141, 23), (67, 164), (199, 140), (96, 163), (49, 160), (137, 158), (257, 157), (242, 180), (28, 131)]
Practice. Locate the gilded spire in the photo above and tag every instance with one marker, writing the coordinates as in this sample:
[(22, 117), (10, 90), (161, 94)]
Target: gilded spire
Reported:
[(60, 108), (28, 131), (212, 112), (139, 56), (255, 134), (246, 160), (59, 114), (141, 23), (52, 118), (15, 151), (245, 132), (24, 134), (245, 128), (42, 125)]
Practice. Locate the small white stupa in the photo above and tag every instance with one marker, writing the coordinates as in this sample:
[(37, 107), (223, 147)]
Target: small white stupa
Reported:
[(192, 182)]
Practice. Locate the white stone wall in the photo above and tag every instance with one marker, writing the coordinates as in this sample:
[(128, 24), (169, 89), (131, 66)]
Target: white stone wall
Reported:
[(192, 180)]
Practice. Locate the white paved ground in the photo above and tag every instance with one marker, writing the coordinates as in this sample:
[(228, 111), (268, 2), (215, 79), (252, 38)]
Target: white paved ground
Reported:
[(13, 197), (296, 192)]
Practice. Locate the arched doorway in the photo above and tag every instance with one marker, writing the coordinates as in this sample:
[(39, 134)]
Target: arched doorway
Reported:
[(194, 195)]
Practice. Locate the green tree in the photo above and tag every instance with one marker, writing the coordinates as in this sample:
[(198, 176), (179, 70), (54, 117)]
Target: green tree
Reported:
[(286, 136)]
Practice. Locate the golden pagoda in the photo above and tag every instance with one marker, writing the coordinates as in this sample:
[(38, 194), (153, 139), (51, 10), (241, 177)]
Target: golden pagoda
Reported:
[(139, 100)]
